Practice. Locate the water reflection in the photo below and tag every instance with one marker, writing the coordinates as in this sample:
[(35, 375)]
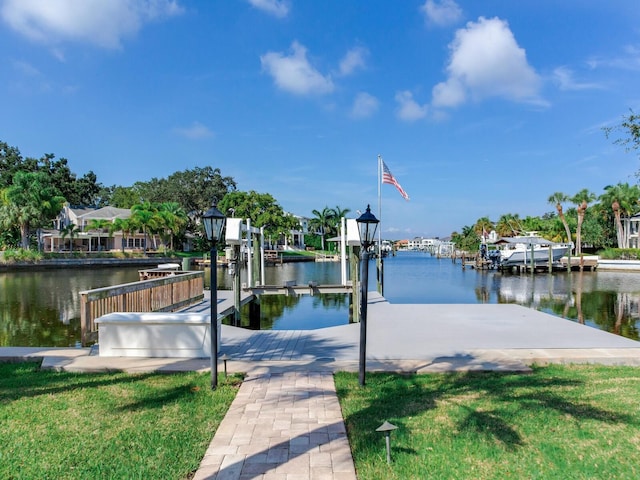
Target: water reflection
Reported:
[(41, 308), (605, 300), (299, 312)]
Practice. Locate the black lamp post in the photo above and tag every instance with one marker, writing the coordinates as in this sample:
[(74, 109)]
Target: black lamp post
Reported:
[(214, 221), (367, 225)]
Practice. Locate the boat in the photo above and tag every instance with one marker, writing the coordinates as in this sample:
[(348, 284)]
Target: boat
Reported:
[(518, 250), (385, 248)]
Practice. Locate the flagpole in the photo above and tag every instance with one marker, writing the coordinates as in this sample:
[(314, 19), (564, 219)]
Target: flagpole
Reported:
[(379, 196), (379, 260)]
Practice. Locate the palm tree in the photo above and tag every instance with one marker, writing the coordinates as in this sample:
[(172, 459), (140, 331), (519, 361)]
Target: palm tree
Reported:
[(121, 225), (173, 218), (336, 214), (71, 231), (483, 226), (582, 200), (508, 225), (557, 199), (99, 225), (623, 199), (31, 201), (143, 215), (322, 222)]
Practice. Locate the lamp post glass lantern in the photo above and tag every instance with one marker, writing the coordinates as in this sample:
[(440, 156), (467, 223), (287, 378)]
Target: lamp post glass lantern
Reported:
[(367, 225), (214, 221)]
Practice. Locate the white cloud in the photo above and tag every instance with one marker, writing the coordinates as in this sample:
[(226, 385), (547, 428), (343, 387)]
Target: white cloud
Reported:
[(564, 78), (486, 61), (629, 60), (294, 73), (408, 109), (443, 13), (364, 105), (196, 131), (26, 68), (101, 22), (353, 60), (277, 8)]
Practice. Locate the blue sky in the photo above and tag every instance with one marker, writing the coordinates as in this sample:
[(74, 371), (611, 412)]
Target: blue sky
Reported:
[(479, 108)]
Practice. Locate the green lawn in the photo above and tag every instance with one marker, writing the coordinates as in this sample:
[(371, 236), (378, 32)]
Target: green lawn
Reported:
[(106, 426), (577, 422)]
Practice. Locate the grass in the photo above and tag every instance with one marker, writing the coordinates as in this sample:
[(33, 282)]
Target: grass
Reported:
[(106, 425), (560, 422)]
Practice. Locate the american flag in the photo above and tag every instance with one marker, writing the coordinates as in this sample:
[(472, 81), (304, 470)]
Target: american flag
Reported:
[(387, 177)]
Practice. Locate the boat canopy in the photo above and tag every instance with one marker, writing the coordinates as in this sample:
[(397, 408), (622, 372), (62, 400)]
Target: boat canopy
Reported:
[(528, 240)]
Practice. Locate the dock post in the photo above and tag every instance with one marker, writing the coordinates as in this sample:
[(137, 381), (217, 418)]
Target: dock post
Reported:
[(533, 261), (254, 314), (237, 286), (354, 260)]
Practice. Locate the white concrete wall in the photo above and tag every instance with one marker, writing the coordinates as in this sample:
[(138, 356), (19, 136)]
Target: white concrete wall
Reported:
[(165, 335)]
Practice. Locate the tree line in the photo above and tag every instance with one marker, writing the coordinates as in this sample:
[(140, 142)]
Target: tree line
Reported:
[(585, 224), (34, 191)]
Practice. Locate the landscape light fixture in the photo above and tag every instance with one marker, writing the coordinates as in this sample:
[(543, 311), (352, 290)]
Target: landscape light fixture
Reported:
[(387, 428), (214, 221), (225, 358), (367, 225)]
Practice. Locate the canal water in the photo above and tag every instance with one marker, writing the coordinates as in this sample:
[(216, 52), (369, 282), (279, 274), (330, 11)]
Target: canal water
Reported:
[(41, 308)]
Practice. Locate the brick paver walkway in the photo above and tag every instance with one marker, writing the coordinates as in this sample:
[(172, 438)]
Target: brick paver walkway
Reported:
[(281, 426)]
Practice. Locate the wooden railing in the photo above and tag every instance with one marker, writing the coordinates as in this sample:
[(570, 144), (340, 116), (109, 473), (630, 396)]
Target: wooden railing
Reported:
[(157, 295)]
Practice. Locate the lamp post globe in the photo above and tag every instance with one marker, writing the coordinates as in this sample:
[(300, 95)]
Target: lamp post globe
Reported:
[(214, 221), (367, 225)]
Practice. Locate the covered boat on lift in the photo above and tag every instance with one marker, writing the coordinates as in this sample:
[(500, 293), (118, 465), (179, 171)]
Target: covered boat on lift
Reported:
[(519, 250)]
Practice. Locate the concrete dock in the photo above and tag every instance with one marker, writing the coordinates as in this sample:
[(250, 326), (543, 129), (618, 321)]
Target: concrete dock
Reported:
[(285, 422)]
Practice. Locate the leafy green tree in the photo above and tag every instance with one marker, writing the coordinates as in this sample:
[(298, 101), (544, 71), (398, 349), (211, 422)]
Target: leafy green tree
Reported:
[(88, 191), (9, 238), (630, 128), (594, 231), (468, 240), (534, 224), (30, 202), (121, 197), (12, 162), (557, 199), (193, 189), (261, 208), (83, 191)]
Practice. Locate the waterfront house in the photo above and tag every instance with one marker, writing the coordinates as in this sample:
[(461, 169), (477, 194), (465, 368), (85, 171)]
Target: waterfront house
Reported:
[(88, 239)]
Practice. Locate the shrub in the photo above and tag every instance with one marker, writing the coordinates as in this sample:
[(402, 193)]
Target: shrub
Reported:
[(21, 255), (620, 254)]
